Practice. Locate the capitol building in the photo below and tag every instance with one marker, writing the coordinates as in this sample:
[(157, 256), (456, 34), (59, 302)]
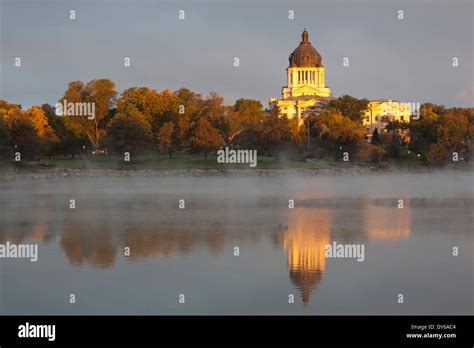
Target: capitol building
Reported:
[(306, 92), (306, 89)]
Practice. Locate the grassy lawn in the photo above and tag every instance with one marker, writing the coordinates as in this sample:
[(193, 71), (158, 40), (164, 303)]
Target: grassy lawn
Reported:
[(161, 161), (183, 161), (405, 164), (186, 161)]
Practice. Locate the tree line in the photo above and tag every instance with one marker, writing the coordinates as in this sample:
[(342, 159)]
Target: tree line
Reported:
[(142, 120)]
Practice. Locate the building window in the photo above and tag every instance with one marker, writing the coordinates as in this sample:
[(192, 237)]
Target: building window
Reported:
[(376, 118), (402, 118)]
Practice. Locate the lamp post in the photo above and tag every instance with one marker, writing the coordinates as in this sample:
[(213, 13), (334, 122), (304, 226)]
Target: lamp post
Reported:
[(370, 127), (84, 157), (308, 133)]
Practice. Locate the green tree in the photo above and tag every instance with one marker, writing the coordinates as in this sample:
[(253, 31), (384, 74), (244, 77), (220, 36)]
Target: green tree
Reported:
[(350, 107), (24, 138), (128, 134)]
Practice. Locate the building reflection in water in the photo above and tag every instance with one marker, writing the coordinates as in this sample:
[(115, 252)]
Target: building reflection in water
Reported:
[(304, 242), (320, 221), (385, 221), (97, 236)]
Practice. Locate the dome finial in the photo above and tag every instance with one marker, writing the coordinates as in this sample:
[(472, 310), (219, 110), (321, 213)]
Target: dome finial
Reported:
[(305, 35)]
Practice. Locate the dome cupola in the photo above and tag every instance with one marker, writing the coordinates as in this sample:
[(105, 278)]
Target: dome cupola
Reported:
[(305, 55)]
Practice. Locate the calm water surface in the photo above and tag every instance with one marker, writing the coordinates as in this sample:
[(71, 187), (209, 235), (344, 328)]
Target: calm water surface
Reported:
[(191, 251)]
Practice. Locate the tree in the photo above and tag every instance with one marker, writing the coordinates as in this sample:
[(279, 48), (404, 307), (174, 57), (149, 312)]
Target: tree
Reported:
[(206, 138), (24, 138), (56, 123), (370, 153), (160, 108), (102, 93), (375, 137), (188, 109), (128, 134), (248, 109), (269, 136), (423, 130), (132, 99), (437, 136), (437, 154), (331, 131), (350, 107), (165, 138), (244, 115), (5, 148), (213, 109), (72, 144), (48, 137), (341, 129), (453, 134)]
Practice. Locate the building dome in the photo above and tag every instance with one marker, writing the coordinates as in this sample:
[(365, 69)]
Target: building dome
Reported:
[(305, 55)]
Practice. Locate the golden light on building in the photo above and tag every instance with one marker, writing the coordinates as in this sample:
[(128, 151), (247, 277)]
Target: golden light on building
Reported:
[(306, 88), (304, 242), (380, 112)]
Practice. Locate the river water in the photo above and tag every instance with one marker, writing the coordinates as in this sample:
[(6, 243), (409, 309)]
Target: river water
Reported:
[(129, 246)]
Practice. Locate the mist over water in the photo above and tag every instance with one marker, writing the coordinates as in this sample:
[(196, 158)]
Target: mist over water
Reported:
[(190, 251)]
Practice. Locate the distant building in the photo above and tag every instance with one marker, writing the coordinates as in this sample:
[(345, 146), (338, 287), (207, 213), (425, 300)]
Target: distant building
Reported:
[(380, 112), (306, 90)]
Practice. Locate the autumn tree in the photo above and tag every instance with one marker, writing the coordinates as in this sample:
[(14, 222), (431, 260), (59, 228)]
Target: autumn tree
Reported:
[(166, 138), (132, 101), (160, 108), (216, 113), (206, 138), (5, 148), (47, 136), (102, 93), (188, 109), (365, 152)]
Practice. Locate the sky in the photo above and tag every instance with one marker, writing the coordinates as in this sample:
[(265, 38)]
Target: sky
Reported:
[(409, 59)]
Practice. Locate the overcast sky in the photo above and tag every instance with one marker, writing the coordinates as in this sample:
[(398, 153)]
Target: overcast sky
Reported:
[(408, 60)]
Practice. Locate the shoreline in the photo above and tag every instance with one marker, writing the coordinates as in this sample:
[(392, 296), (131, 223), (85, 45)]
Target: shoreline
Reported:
[(91, 173)]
